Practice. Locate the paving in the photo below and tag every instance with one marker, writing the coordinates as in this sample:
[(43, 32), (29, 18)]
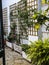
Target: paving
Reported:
[(14, 58)]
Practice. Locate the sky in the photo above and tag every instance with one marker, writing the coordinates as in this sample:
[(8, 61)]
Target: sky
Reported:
[(6, 3)]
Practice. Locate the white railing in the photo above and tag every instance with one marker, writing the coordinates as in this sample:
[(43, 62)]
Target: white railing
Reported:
[(16, 47)]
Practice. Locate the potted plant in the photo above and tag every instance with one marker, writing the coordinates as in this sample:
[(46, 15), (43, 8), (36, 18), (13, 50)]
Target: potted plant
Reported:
[(38, 52), (25, 48)]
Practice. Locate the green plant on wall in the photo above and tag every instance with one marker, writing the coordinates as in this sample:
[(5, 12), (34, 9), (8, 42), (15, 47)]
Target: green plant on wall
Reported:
[(12, 34), (12, 15), (23, 17), (41, 18), (45, 1)]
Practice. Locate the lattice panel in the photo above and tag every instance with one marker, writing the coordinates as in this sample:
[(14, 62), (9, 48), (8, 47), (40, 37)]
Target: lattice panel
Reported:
[(23, 26), (31, 4)]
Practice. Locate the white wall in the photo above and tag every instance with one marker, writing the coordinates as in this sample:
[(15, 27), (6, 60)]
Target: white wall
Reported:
[(45, 33)]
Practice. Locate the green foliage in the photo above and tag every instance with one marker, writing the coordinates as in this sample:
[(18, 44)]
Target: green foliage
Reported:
[(47, 28), (41, 17), (38, 52), (12, 34), (12, 37), (23, 17), (44, 1), (13, 26), (25, 47), (11, 14)]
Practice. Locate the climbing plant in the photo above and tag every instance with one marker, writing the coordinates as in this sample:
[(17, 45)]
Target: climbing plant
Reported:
[(13, 27), (23, 17), (45, 1), (12, 34), (41, 17)]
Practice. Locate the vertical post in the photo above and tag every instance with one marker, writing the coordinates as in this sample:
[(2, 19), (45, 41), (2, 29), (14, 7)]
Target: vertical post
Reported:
[(2, 37), (8, 13), (3, 58), (40, 30)]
